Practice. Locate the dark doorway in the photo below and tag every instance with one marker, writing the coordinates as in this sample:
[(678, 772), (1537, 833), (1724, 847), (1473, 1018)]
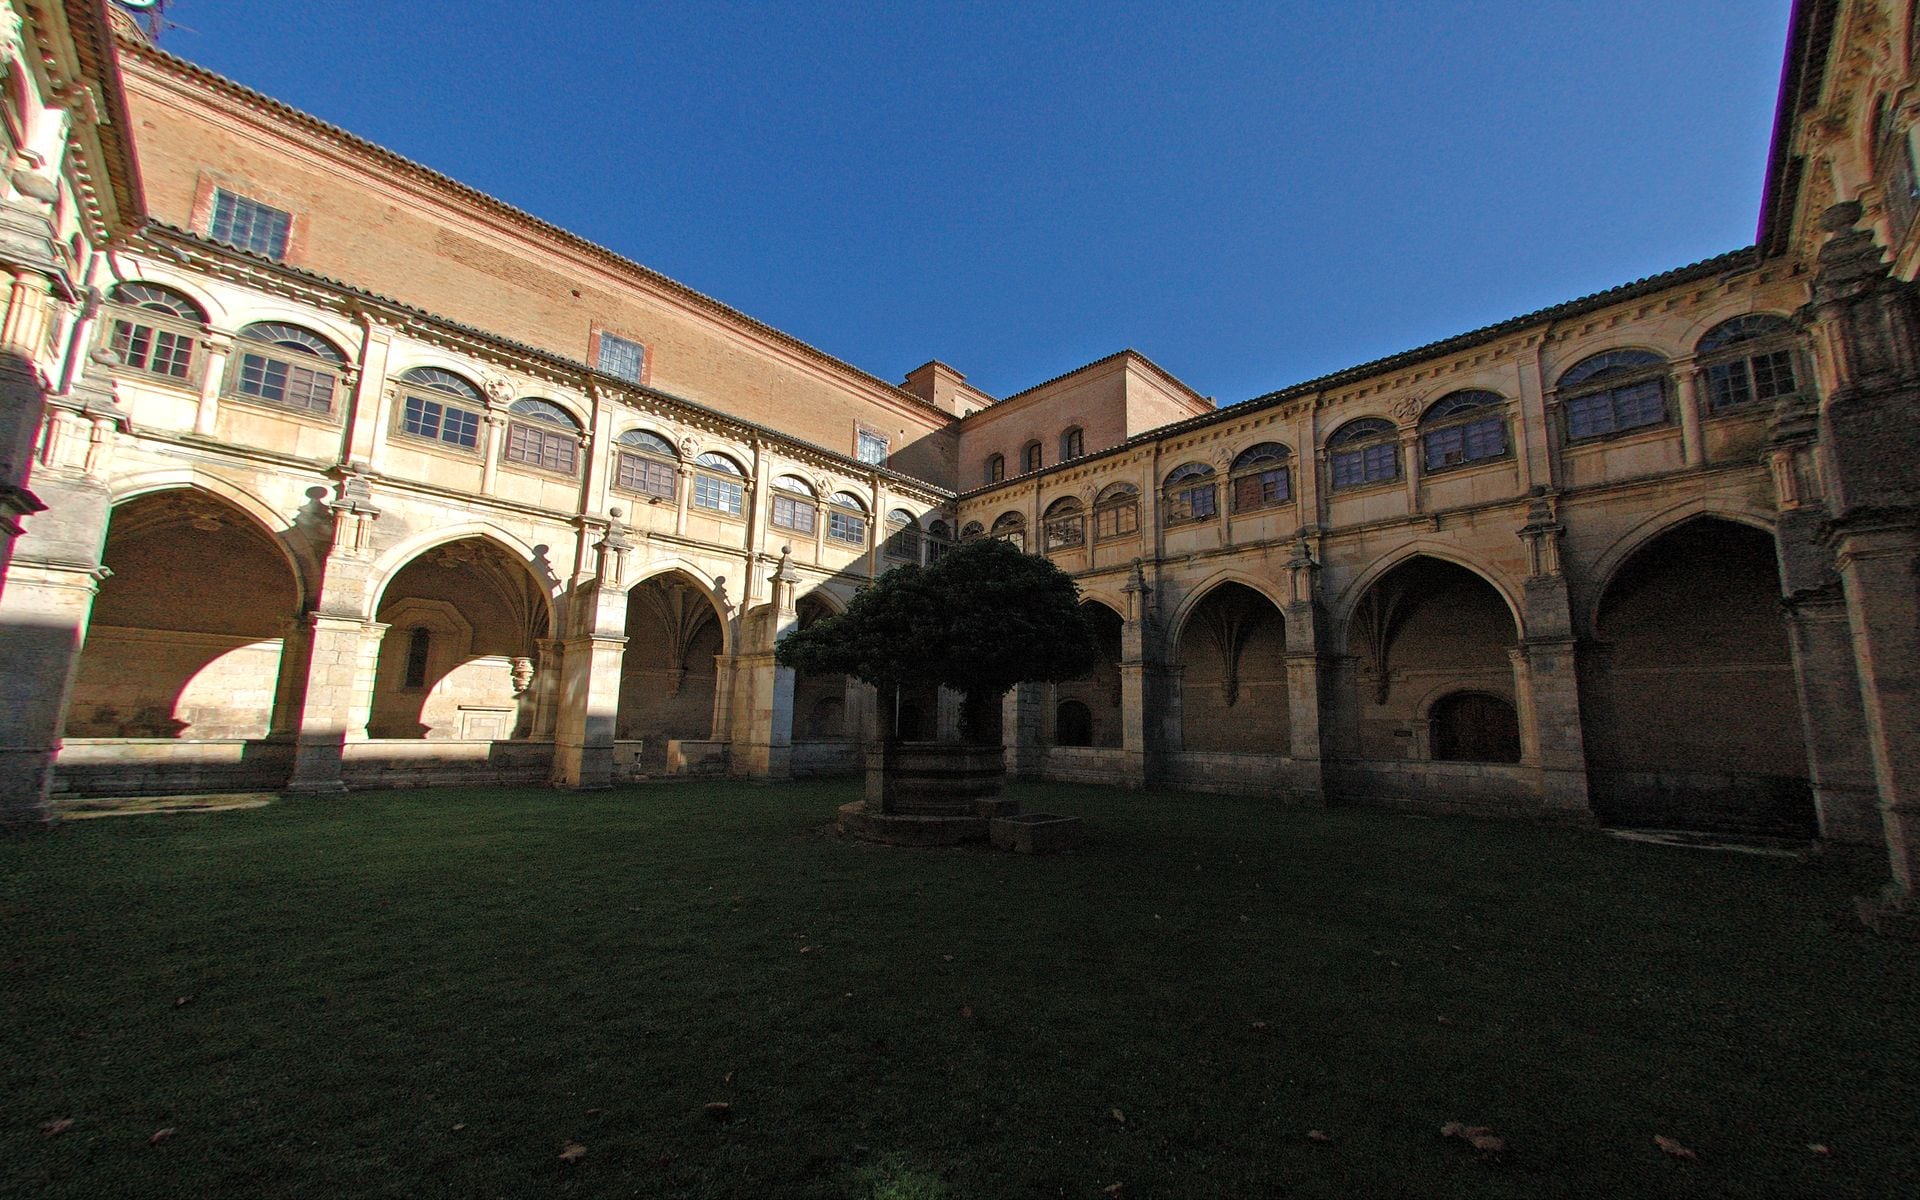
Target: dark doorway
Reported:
[(1072, 724), (1475, 727)]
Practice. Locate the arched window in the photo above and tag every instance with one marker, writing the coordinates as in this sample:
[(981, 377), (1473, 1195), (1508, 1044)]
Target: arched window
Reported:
[(1011, 527), (1030, 457), (1893, 166), (645, 463), (1072, 724), (1116, 511), (1073, 443), (285, 364), (939, 539), (1262, 478), (996, 467), (154, 330), (1064, 525), (1746, 359), (1363, 452), (972, 531), (1461, 428), (903, 536), (542, 434), (1189, 495), (719, 485), (1614, 391), (441, 407), (419, 648), (793, 506), (847, 519)]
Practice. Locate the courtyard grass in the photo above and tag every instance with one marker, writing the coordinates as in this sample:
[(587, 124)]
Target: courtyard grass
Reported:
[(433, 993)]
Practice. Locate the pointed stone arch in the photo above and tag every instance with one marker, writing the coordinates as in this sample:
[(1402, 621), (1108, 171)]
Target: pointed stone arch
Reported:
[(397, 557), (302, 559), (1230, 652), (1177, 621), (1355, 591), (1606, 566)]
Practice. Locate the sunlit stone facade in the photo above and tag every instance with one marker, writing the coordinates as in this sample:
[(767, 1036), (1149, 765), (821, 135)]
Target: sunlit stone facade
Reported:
[(329, 472)]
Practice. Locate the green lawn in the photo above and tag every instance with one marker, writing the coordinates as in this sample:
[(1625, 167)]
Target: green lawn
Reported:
[(431, 994)]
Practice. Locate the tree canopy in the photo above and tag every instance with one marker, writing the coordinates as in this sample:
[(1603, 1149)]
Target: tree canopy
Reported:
[(982, 618)]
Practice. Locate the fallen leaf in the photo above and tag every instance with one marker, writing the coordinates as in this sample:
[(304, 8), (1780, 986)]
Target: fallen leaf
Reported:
[(946, 958), (806, 949), (182, 1001), (719, 1110), (1259, 1024), (159, 1135), (966, 1011), (1820, 1148), (727, 1079), (1319, 1135), (1672, 1147), (572, 1152), (594, 1112), (1444, 1020), (1480, 1137), (1118, 1189), (1118, 1115), (56, 1128), (665, 1160), (459, 1127)]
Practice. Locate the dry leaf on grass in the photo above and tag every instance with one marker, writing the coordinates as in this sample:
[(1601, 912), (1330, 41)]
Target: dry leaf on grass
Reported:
[(182, 1001), (966, 1011), (719, 1110), (1118, 1115), (1116, 1190), (458, 1127), (1480, 1137), (56, 1128), (1259, 1024), (159, 1135), (1820, 1148), (572, 1152), (727, 1079), (1672, 1147), (1319, 1135)]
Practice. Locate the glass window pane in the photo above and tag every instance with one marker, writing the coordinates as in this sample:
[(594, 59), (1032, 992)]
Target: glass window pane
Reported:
[(1773, 375), (1590, 416), (1486, 439), (1445, 447), (621, 357), (1639, 404), (249, 224), (872, 449)]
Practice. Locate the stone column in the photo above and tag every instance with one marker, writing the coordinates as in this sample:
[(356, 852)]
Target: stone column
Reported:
[(1303, 621), (1839, 756), (1546, 679), (1137, 741), (547, 671), (1693, 443), (948, 704), (329, 672), (1879, 567), (214, 348), (594, 646), (762, 742), (44, 611), (1020, 729)]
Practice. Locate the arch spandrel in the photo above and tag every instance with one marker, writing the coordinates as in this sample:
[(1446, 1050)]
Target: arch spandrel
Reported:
[(303, 558), (1597, 579), (1350, 596), (1268, 589), (397, 557)]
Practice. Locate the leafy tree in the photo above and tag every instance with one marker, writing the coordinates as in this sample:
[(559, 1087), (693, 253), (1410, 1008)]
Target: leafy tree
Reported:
[(984, 617)]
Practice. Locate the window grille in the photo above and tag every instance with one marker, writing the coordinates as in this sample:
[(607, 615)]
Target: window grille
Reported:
[(847, 519), (621, 357), (1613, 392), (249, 224), (1116, 511), (544, 435), (285, 364), (871, 448), (1748, 359), (793, 506), (1031, 457), (156, 330), (1190, 495), (1064, 526), (437, 417), (1461, 428), (996, 468), (1073, 443), (645, 463), (718, 485), (1262, 477), (1363, 452)]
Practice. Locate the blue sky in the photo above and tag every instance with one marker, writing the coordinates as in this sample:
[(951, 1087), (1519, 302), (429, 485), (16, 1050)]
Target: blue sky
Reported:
[(1248, 194)]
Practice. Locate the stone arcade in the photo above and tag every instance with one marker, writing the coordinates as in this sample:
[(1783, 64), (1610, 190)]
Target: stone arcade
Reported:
[(323, 471)]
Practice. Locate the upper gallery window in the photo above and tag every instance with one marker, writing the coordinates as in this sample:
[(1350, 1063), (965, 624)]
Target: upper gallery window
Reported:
[(1030, 457), (996, 467), (1063, 526), (1614, 391), (645, 463), (249, 224), (1461, 428), (719, 484), (435, 405), (155, 330), (619, 356), (1893, 165), (871, 448), (542, 434), (847, 519), (288, 365), (1073, 443), (1746, 359), (1189, 495), (1011, 527), (972, 531), (1364, 451), (939, 539), (903, 536), (1116, 511), (1261, 477), (793, 506)]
